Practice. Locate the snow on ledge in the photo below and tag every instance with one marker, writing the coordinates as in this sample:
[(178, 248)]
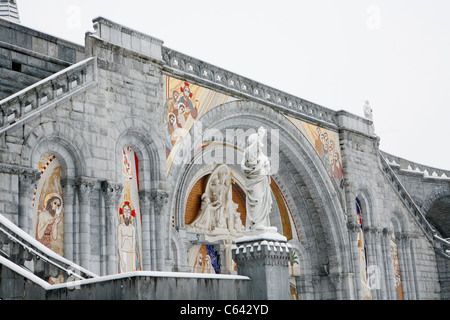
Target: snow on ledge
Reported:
[(265, 233), (50, 253), (153, 274)]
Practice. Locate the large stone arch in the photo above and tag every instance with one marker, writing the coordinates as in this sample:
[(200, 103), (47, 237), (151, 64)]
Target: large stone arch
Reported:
[(61, 138), (436, 208), (398, 222), (366, 201), (140, 135), (303, 180), (73, 154)]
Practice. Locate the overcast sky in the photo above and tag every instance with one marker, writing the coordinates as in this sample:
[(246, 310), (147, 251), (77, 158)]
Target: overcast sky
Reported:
[(395, 54)]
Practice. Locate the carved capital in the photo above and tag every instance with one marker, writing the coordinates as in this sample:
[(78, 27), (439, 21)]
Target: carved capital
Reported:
[(85, 187), (28, 179), (145, 198), (388, 232), (111, 191), (405, 236), (159, 200), (353, 227), (336, 279)]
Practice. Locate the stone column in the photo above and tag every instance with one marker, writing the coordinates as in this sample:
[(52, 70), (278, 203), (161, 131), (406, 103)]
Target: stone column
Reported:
[(401, 238), (266, 262), (372, 258), (68, 198), (305, 288), (412, 254), (353, 228), (406, 263), (111, 192), (27, 183), (337, 280), (381, 263), (159, 201), (145, 204), (85, 187), (390, 281)]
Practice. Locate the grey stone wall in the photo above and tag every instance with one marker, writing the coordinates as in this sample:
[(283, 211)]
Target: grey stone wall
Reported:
[(133, 287), (27, 56), (385, 214), (430, 189)]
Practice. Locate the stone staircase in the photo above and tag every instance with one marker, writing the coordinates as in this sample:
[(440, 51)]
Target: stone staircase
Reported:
[(19, 251), (46, 94), (23, 254), (441, 245)]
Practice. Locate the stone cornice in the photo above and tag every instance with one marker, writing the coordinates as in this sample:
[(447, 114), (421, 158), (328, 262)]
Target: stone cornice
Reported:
[(102, 21), (19, 170), (127, 38), (205, 74)]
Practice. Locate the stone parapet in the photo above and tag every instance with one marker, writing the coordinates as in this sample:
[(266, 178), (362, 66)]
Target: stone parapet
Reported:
[(349, 121), (127, 38), (182, 65), (266, 262), (269, 252), (47, 93)]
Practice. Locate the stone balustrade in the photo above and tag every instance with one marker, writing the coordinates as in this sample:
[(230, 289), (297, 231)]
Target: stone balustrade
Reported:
[(46, 93), (177, 63), (25, 252), (413, 168), (406, 198)]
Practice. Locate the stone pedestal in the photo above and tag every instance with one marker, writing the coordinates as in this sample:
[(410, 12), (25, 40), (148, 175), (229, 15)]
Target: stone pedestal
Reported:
[(264, 257)]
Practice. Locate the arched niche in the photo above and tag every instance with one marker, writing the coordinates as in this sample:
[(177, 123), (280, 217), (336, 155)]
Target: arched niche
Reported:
[(51, 147)]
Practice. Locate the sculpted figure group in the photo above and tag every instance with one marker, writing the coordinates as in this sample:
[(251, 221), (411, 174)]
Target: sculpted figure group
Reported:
[(218, 213)]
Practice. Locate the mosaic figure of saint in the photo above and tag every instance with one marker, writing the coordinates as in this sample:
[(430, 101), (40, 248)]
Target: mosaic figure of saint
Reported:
[(127, 238), (185, 99), (129, 223), (172, 102), (48, 205), (49, 220)]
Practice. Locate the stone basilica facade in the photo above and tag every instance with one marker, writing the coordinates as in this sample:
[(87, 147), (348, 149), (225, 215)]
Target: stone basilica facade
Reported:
[(121, 166)]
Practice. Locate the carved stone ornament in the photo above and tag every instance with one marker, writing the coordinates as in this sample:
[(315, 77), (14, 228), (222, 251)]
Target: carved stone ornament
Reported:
[(218, 213), (111, 191), (159, 199)]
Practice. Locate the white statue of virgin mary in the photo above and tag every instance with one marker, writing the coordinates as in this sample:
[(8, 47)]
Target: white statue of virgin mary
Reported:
[(256, 167)]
